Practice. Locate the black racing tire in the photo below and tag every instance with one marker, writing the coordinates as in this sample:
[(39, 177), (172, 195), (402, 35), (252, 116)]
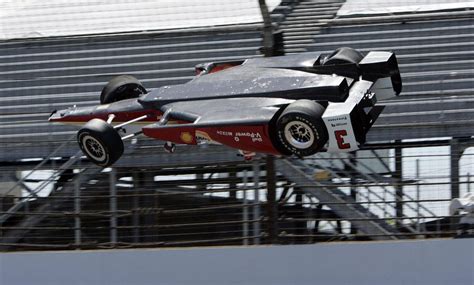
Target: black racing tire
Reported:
[(120, 88), (300, 129), (344, 55), (100, 142)]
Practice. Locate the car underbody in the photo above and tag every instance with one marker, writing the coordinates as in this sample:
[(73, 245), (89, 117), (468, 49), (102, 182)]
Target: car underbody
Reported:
[(287, 105)]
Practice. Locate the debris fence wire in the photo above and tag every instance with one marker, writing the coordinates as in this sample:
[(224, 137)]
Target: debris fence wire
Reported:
[(418, 158)]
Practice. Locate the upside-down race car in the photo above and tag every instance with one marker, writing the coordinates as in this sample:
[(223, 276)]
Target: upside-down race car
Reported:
[(288, 105)]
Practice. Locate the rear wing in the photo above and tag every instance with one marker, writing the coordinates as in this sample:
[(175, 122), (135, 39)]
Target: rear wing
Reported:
[(379, 64), (375, 66)]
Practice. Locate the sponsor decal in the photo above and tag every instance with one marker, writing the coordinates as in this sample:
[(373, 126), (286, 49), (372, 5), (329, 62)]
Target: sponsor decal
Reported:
[(338, 124), (202, 137), (256, 137), (186, 137), (338, 121), (224, 133)]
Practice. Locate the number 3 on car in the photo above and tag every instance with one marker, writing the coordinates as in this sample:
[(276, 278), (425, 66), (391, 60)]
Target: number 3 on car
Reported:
[(340, 134)]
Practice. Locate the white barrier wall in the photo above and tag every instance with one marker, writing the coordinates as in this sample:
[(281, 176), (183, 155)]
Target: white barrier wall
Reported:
[(412, 262)]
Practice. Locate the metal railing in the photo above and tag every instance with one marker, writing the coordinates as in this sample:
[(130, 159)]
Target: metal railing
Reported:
[(191, 205)]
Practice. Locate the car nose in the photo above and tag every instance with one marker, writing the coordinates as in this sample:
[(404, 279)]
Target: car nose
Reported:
[(60, 115), (56, 116)]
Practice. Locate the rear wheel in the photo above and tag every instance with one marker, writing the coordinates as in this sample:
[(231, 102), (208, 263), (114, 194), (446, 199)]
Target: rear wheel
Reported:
[(100, 142), (300, 130), (120, 88)]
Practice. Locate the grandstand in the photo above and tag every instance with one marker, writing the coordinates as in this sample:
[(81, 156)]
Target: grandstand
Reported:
[(51, 198)]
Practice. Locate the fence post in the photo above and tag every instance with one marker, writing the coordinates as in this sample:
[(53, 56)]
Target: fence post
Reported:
[(272, 208), (77, 211), (267, 29), (399, 186), (418, 226), (256, 207), (455, 155), (245, 211), (113, 208)]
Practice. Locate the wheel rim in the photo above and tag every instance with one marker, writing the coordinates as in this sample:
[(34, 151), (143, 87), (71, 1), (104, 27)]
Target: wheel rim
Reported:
[(299, 134), (94, 148)]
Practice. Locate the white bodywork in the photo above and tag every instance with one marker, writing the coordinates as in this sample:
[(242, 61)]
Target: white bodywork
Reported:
[(337, 115)]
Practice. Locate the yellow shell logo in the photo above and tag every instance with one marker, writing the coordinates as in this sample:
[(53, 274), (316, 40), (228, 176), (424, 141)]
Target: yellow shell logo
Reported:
[(186, 137)]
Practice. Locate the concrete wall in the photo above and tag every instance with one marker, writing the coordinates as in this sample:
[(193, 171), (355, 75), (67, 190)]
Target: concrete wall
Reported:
[(413, 262)]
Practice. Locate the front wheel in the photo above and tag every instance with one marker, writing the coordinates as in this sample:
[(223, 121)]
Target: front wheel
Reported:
[(300, 129), (100, 142), (120, 88)]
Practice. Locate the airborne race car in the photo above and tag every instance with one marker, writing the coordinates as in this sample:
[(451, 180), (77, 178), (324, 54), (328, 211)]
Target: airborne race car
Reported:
[(288, 105)]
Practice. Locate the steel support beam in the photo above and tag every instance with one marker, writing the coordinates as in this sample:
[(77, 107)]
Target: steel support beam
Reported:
[(77, 211), (454, 166), (12, 237), (268, 43), (398, 175), (352, 182), (256, 207), (245, 210), (341, 204), (113, 207), (136, 205), (271, 207)]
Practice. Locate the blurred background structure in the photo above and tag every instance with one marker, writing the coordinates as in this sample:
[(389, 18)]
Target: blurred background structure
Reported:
[(418, 158)]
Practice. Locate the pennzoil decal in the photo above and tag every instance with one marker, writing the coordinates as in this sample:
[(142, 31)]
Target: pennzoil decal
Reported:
[(202, 137), (186, 137)]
